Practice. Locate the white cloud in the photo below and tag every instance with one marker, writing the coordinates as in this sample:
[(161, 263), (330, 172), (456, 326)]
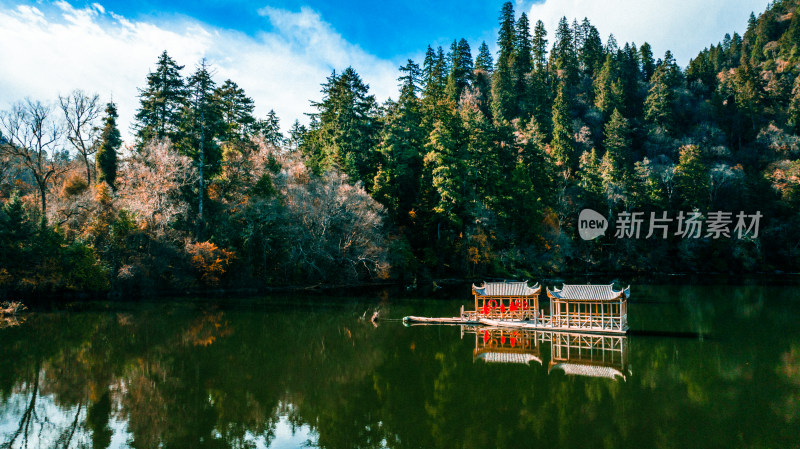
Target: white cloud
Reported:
[(49, 53), (682, 26)]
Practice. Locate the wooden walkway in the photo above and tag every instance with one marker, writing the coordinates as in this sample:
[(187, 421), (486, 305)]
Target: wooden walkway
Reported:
[(544, 324)]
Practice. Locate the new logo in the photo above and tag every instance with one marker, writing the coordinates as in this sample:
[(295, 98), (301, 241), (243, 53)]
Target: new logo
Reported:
[(591, 224)]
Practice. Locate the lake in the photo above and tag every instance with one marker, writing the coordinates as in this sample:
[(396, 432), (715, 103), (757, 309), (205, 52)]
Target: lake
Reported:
[(703, 366)]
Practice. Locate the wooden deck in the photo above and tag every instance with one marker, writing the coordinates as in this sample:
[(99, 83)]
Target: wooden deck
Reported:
[(543, 324)]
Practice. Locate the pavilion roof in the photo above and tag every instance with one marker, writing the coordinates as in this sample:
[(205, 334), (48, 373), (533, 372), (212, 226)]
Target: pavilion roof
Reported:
[(508, 357), (588, 292), (576, 369), (506, 289)]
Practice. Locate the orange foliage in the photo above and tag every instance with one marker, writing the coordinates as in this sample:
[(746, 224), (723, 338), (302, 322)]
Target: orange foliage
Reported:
[(210, 261)]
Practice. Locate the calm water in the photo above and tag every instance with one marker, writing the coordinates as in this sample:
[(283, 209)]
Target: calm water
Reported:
[(711, 366)]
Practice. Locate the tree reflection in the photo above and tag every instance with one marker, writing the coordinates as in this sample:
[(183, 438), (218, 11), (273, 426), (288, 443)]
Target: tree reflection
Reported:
[(193, 376)]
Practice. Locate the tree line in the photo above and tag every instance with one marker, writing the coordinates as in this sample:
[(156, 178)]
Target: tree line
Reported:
[(478, 168)]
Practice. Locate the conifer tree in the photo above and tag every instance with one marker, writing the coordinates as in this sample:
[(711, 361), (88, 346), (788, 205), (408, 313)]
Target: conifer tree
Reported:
[(608, 93), (200, 126), (564, 57), (523, 66), (617, 143), (562, 144), (345, 128), (692, 178), (397, 182), (504, 101), (484, 59), (539, 47), (648, 64), (591, 51), (270, 128), (236, 111), (110, 141), (161, 102), (460, 75)]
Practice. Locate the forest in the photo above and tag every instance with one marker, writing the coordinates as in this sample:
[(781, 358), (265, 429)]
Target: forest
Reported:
[(478, 169)]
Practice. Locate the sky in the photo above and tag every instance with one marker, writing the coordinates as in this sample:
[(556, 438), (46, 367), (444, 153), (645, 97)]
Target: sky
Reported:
[(280, 51)]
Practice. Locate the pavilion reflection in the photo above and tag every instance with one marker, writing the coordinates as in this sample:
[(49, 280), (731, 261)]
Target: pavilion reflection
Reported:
[(574, 354)]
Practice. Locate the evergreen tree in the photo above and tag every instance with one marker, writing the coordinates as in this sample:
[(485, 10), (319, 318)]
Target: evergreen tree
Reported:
[(564, 57), (161, 102), (484, 59), (648, 64), (270, 128), (297, 134), (434, 75), (608, 92), (345, 128), (397, 182), (110, 141), (617, 143), (562, 144), (523, 66), (460, 75), (504, 100), (591, 54), (692, 178), (658, 106), (200, 127), (236, 112), (591, 179), (539, 47)]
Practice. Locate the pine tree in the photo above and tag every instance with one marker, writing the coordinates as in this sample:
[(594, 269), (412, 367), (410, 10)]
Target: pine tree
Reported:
[(504, 101), (523, 66), (539, 47), (564, 57), (591, 52), (648, 65), (484, 59), (236, 111), (345, 128), (297, 134), (658, 107), (161, 102), (617, 143), (434, 75), (460, 76), (200, 126), (562, 144), (397, 182), (270, 128), (608, 94), (110, 141), (692, 178)]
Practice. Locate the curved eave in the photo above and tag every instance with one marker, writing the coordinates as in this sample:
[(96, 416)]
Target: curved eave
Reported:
[(556, 293), (479, 291)]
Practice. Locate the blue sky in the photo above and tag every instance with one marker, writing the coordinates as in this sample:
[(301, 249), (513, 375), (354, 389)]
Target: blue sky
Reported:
[(280, 51)]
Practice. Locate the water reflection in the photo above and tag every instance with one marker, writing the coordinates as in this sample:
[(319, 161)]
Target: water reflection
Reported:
[(579, 354), (178, 375)]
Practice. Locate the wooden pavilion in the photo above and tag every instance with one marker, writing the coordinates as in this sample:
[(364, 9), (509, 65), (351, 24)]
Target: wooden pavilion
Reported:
[(505, 301), (589, 307)]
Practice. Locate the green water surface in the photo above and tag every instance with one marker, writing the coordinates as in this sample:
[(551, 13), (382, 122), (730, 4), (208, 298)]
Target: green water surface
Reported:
[(703, 366)]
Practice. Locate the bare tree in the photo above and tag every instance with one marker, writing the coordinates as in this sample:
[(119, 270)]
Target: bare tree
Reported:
[(151, 183), (33, 136), (81, 112)]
